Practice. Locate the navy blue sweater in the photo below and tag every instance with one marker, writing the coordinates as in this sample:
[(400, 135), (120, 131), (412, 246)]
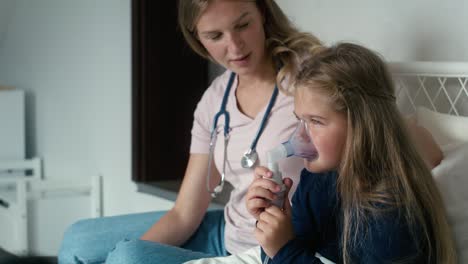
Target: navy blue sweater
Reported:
[(316, 218)]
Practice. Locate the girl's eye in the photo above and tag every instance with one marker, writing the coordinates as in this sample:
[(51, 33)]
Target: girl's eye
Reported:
[(215, 37), (315, 122), (242, 26)]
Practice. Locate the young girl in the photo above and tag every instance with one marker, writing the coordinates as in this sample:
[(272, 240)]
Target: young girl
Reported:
[(368, 197)]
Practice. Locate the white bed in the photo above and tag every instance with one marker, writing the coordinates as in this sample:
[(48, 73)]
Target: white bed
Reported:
[(437, 94), (439, 86)]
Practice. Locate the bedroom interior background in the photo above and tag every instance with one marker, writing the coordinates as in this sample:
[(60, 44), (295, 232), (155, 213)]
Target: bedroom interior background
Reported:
[(73, 61)]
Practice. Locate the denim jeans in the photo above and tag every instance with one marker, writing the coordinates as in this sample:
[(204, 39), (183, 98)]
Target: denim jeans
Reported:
[(115, 240)]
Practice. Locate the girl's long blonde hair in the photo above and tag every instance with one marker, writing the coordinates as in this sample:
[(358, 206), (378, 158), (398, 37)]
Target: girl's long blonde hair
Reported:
[(285, 43), (380, 166)]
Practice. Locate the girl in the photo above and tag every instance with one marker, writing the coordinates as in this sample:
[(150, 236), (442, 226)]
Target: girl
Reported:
[(368, 197)]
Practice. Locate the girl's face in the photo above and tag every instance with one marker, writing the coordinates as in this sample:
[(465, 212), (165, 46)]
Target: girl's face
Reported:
[(232, 33), (327, 128)]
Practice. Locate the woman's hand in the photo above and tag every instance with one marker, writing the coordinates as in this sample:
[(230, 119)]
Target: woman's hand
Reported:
[(274, 227), (261, 192), (425, 143)]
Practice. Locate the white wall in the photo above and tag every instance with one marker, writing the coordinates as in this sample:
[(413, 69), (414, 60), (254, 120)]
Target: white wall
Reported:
[(73, 60), (12, 132), (400, 30), (5, 6)]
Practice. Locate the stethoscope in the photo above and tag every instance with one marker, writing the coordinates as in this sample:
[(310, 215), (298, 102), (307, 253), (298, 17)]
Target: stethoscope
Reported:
[(250, 157)]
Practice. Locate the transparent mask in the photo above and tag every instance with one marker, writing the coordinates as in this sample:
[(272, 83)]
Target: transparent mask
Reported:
[(300, 143)]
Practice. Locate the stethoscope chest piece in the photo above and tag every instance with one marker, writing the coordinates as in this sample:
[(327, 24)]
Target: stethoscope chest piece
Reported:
[(249, 159)]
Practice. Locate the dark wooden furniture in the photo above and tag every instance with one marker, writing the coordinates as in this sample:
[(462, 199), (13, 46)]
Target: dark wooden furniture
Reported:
[(168, 79)]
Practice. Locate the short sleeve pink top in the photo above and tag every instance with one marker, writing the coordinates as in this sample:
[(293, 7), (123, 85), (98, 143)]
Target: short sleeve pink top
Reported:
[(280, 125)]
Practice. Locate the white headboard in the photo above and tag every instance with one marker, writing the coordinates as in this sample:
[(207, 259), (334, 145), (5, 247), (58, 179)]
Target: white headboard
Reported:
[(439, 86)]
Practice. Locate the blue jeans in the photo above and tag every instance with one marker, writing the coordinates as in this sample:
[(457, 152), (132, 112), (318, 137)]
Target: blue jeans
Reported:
[(115, 240)]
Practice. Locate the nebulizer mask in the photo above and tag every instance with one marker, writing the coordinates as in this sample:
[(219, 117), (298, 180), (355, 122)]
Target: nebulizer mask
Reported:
[(300, 145)]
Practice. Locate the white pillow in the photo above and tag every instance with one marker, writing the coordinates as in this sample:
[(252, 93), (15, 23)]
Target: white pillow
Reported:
[(451, 176), (446, 129)]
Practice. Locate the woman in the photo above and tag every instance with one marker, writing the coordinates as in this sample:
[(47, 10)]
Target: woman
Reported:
[(245, 37), (249, 39)]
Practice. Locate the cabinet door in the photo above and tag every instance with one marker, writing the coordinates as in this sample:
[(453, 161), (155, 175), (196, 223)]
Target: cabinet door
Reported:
[(168, 81), (13, 217)]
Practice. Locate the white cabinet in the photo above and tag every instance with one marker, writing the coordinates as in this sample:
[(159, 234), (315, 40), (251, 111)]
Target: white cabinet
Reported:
[(13, 217), (35, 212), (13, 203)]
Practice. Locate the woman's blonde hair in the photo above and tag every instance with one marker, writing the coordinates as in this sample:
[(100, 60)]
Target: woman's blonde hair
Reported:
[(285, 43), (380, 170)]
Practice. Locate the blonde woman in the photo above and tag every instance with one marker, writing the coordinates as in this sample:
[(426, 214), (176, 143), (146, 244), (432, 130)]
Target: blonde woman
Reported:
[(249, 39)]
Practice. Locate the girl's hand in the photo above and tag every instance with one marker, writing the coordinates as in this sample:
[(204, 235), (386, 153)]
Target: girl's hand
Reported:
[(274, 227), (261, 192)]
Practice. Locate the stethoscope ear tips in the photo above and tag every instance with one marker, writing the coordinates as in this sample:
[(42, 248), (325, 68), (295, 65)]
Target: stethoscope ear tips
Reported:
[(218, 189)]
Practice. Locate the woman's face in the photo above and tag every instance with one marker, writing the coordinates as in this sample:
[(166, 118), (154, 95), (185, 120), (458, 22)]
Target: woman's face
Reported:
[(327, 128), (232, 33)]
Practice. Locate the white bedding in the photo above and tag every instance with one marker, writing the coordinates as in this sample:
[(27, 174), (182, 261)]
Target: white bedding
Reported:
[(251, 256), (452, 179)]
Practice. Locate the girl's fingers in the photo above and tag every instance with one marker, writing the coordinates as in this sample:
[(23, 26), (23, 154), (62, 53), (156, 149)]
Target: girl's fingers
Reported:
[(287, 209), (288, 182), (266, 184), (256, 206), (273, 212), (260, 192), (262, 172)]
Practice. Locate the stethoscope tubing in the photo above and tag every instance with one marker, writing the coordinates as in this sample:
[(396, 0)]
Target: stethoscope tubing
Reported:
[(223, 112)]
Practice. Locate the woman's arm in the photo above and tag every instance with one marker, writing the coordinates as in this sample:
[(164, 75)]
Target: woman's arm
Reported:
[(193, 199), (425, 144)]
